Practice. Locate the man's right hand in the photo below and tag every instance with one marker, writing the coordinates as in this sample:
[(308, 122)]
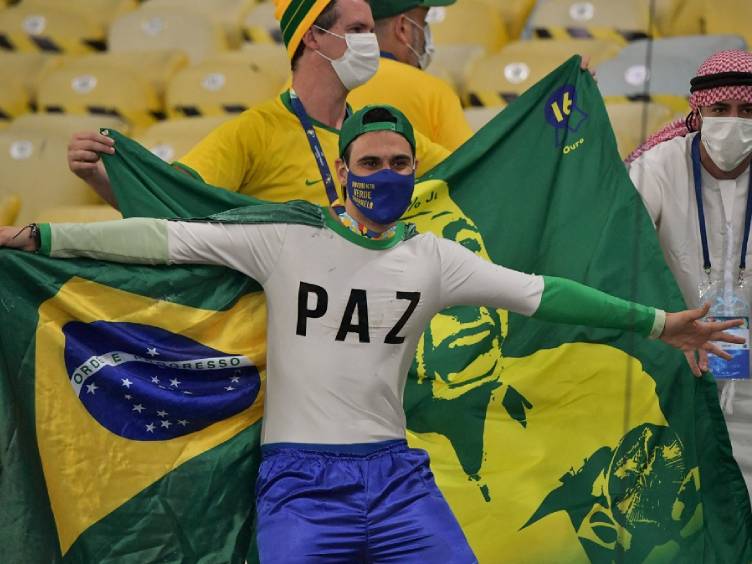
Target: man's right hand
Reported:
[(84, 160)]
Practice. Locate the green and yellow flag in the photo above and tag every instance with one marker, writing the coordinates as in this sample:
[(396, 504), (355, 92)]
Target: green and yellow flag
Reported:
[(132, 396)]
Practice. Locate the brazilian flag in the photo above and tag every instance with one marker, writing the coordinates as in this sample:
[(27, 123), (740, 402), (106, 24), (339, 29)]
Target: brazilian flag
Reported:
[(132, 396)]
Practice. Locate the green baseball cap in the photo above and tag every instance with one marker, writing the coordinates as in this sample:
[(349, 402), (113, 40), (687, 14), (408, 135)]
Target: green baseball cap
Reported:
[(386, 8), (366, 120)]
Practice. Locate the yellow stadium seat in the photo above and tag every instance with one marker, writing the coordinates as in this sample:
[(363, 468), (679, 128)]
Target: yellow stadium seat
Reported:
[(514, 13), (468, 22), (730, 16), (14, 101), (157, 67), (496, 80), (219, 85), (451, 62), (147, 29), (50, 26), (627, 119), (100, 91), (61, 128), (227, 13), (625, 20), (679, 17), (102, 11), (27, 69), (10, 205), (269, 58), (77, 214), (34, 167), (172, 139), (478, 117), (261, 26)]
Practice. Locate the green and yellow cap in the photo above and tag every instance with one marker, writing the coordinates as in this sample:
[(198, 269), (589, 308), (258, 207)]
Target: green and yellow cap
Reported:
[(295, 18), (387, 8), (364, 121)]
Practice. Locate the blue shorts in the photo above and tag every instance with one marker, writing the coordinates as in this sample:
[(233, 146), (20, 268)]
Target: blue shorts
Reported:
[(384, 506)]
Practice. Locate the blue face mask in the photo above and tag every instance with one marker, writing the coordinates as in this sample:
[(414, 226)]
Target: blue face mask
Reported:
[(382, 196)]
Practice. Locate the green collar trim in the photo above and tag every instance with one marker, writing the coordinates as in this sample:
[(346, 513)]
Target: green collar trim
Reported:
[(285, 97), (360, 240)]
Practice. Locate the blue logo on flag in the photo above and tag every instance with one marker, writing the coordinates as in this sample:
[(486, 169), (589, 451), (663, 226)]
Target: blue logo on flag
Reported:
[(148, 384), (563, 113)]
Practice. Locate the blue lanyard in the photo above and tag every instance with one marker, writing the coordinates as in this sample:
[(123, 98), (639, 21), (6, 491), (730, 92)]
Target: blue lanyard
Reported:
[(697, 171), (318, 152)]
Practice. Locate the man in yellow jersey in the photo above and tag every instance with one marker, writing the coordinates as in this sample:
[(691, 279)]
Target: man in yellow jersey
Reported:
[(274, 151), (406, 49)]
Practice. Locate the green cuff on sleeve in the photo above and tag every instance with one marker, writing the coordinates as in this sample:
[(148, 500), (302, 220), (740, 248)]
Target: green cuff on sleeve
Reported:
[(565, 301), (45, 235)]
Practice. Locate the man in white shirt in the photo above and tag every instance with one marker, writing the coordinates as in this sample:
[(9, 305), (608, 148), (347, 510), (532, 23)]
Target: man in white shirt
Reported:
[(349, 292), (694, 177)]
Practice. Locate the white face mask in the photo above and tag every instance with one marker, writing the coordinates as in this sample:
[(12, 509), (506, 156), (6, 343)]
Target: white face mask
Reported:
[(424, 60), (728, 140), (360, 60)]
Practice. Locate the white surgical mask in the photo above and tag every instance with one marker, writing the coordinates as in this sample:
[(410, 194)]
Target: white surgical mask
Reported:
[(424, 59), (360, 60), (728, 140)]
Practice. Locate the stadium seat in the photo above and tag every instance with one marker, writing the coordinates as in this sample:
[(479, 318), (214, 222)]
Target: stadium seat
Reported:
[(34, 167), (261, 26), (451, 62), (730, 16), (627, 121), (514, 13), (622, 21), (495, 80), (674, 62), (468, 22), (269, 58), (101, 11), (77, 214), (14, 101), (679, 17), (60, 128), (223, 84), (172, 139), (148, 29), (10, 204), (478, 117), (157, 67), (50, 26), (27, 69), (100, 91), (227, 13)]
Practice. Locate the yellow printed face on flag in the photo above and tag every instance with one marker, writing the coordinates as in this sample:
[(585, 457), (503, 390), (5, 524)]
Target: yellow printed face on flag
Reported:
[(516, 442), (128, 388)]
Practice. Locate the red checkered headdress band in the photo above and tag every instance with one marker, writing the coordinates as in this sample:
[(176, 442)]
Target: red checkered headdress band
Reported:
[(727, 75)]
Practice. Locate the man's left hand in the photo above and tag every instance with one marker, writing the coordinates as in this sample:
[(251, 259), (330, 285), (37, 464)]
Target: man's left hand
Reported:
[(686, 332)]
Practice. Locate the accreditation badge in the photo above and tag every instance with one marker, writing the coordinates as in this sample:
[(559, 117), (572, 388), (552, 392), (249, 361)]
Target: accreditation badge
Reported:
[(729, 304)]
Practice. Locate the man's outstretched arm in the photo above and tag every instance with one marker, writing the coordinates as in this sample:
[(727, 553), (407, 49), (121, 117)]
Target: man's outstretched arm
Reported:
[(469, 280), (250, 249)]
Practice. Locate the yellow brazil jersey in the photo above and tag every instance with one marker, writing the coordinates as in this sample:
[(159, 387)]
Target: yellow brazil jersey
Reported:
[(265, 153), (428, 102)]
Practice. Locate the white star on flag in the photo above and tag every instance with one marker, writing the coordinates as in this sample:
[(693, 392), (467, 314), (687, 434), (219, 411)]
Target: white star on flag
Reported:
[(175, 382), (182, 422), (127, 383), (161, 413), (91, 388), (138, 407), (155, 380), (128, 396), (229, 388), (166, 424), (234, 379), (150, 427), (152, 351)]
